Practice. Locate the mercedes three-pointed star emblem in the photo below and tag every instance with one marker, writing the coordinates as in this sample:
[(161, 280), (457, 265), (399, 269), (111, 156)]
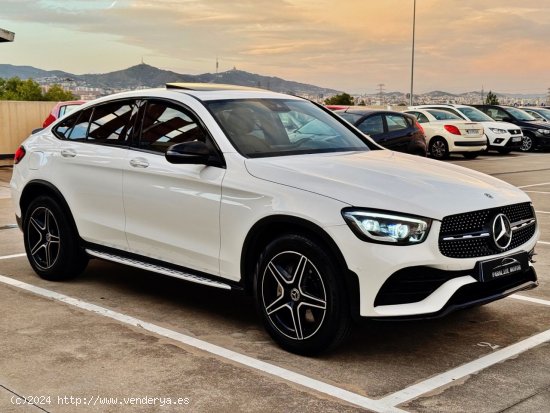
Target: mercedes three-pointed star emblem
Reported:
[(502, 231)]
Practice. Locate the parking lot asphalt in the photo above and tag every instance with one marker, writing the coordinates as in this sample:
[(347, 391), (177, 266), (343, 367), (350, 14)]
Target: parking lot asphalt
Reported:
[(121, 339)]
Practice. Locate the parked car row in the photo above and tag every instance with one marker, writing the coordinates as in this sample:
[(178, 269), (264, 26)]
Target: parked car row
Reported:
[(451, 128)]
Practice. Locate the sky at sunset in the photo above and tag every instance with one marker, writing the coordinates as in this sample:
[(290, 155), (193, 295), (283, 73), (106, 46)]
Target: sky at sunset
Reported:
[(349, 45)]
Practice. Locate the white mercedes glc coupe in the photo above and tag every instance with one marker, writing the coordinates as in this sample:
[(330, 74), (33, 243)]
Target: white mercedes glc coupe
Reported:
[(247, 189)]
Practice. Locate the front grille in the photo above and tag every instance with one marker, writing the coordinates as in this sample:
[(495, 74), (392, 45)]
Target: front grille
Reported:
[(471, 232)]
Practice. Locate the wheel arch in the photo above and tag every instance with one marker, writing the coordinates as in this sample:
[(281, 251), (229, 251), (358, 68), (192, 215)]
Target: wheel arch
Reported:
[(39, 187), (268, 228)]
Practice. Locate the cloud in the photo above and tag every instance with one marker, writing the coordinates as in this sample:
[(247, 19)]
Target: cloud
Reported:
[(354, 44)]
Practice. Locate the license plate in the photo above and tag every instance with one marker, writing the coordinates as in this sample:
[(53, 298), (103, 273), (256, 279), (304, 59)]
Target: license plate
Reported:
[(503, 266), (516, 139), (472, 131)]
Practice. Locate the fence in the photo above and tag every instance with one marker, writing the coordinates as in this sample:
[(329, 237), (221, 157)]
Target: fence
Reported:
[(17, 120)]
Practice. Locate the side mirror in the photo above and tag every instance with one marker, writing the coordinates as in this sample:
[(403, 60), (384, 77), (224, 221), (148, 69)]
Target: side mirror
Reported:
[(191, 153)]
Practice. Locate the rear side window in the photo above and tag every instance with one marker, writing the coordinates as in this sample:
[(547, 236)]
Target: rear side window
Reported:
[(75, 127), (420, 117), (373, 125), (110, 123), (165, 124), (113, 123), (396, 122)]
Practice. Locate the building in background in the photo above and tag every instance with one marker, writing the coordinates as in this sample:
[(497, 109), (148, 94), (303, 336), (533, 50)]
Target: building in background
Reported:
[(6, 36)]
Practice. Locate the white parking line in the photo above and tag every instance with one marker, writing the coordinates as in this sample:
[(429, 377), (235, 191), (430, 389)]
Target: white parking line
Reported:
[(530, 299), (542, 212), (247, 361), (435, 382), (537, 192), (7, 257), (543, 242), (529, 186)]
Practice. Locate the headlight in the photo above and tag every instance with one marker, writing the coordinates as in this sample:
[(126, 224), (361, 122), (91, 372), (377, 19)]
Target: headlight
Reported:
[(497, 131), (544, 131), (387, 227)]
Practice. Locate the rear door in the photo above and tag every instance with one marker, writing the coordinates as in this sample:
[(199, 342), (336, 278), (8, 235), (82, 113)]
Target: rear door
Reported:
[(374, 126), (92, 151), (400, 132)]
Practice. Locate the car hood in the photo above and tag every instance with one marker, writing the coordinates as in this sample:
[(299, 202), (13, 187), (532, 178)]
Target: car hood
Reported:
[(387, 180), (499, 125)]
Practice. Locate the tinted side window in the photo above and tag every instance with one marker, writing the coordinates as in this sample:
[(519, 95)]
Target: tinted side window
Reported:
[(74, 127), (373, 125), (113, 123), (420, 117), (166, 124), (396, 123)]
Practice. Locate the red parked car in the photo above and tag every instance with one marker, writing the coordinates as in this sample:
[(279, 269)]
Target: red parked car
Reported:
[(61, 109)]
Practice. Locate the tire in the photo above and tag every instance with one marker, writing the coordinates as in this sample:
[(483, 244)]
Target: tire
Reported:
[(504, 151), (439, 148), (51, 242), (527, 144), (300, 296), (471, 155)]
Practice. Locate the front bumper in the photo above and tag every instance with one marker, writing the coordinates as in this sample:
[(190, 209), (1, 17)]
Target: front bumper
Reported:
[(375, 264)]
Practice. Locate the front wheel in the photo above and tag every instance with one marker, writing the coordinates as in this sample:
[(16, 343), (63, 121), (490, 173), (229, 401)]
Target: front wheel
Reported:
[(51, 242), (300, 296)]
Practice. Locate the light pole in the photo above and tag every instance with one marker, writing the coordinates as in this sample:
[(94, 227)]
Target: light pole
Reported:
[(412, 59)]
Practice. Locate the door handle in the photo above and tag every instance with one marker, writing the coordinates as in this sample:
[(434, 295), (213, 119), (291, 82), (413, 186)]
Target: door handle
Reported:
[(139, 163), (68, 153)]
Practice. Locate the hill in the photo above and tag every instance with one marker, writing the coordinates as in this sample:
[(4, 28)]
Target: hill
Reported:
[(144, 75)]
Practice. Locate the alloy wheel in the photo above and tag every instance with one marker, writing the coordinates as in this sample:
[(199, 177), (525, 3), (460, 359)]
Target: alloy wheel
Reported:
[(438, 149), (294, 295), (43, 236), (526, 144)]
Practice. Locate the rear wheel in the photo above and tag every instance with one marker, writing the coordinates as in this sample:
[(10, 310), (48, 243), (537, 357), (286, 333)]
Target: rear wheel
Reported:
[(439, 148), (51, 241), (300, 296)]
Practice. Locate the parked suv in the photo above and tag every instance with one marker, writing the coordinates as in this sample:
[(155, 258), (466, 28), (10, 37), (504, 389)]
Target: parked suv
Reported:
[(503, 137), (211, 184), (535, 134), (393, 130)]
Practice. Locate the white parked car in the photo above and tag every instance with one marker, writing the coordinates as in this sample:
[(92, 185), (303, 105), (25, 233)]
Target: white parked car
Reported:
[(205, 183), (503, 137), (447, 133)]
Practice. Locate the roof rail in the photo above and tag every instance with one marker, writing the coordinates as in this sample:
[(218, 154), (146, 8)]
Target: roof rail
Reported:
[(208, 86)]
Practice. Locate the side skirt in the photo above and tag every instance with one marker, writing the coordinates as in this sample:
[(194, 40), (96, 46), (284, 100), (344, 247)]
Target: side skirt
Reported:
[(159, 267)]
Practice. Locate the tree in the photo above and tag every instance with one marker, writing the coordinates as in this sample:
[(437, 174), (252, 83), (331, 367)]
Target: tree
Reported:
[(491, 99), (342, 99), (17, 89), (57, 94)]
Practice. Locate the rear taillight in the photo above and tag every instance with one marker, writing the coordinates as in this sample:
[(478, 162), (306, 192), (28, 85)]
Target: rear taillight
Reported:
[(419, 126), (19, 154), (452, 129)]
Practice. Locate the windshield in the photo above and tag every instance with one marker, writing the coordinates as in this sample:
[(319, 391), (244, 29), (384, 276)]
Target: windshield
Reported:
[(475, 115), (278, 127), (520, 114), (442, 115), (545, 113)]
